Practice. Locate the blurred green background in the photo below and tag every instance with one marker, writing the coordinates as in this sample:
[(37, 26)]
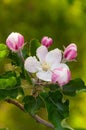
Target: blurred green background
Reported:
[(65, 22)]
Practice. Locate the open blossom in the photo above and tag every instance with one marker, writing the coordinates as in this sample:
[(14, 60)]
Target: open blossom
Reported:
[(46, 63), (70, 52), (15, 41), (47, 41), (61, 75)]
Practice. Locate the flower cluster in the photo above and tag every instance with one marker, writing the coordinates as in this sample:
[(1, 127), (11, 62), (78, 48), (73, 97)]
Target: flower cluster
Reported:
[(49, 66), (46, 75)]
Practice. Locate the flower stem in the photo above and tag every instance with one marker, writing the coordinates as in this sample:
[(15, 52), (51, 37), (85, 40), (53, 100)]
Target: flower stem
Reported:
[(21, 55)]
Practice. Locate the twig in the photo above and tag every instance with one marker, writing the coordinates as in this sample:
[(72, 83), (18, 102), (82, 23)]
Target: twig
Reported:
[(16, 103), (36, 117), (42, 121)]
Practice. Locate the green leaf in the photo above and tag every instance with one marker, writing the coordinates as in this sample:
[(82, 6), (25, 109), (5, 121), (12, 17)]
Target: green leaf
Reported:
[(66, 125), (11, 93), (3, 51), (73, 87), (25, 50), (57, 110), (27, 76), (34, 44), (15, 59), (7, 82), (53, 87), (32, 105), (9, 85)]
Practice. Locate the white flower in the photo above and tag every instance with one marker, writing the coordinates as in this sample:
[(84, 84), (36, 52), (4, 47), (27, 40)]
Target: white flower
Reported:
[(44, 64)]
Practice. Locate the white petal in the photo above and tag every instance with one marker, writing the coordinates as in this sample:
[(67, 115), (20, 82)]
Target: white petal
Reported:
[(44, 75), (41, 53), (54, 57), (54, 66), (31, 64), (62, 65), (59, 65), (13, 37)]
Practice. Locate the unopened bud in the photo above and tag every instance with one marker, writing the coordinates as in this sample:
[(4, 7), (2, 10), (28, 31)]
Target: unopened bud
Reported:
[(15, 41), (46, 41), (70, 52)]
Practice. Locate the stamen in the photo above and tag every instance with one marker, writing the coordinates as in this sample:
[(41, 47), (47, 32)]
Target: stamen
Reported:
[(45, 66)]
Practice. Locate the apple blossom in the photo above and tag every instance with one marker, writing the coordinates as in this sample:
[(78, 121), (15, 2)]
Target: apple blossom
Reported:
[(61, 75), (15, 41), (47, 41), (46, 63), (70, 52)]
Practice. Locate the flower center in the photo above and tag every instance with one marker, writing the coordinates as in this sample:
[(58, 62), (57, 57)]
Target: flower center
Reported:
[(45, 66)]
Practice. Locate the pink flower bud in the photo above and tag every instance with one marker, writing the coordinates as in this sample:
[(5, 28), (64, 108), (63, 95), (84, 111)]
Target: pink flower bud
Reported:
[(61, 76), (70, 52), (15, 41), (47, 41)]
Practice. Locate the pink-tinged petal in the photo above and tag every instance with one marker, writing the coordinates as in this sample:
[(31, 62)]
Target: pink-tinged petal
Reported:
[(12, 40), (72, 45), (10, 45), (70, 55), (68, 75), (20, 40), (31, 64), (41, 53), (54, 57), (61, 75), (70, 52), (47, 41), (44, 75)]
